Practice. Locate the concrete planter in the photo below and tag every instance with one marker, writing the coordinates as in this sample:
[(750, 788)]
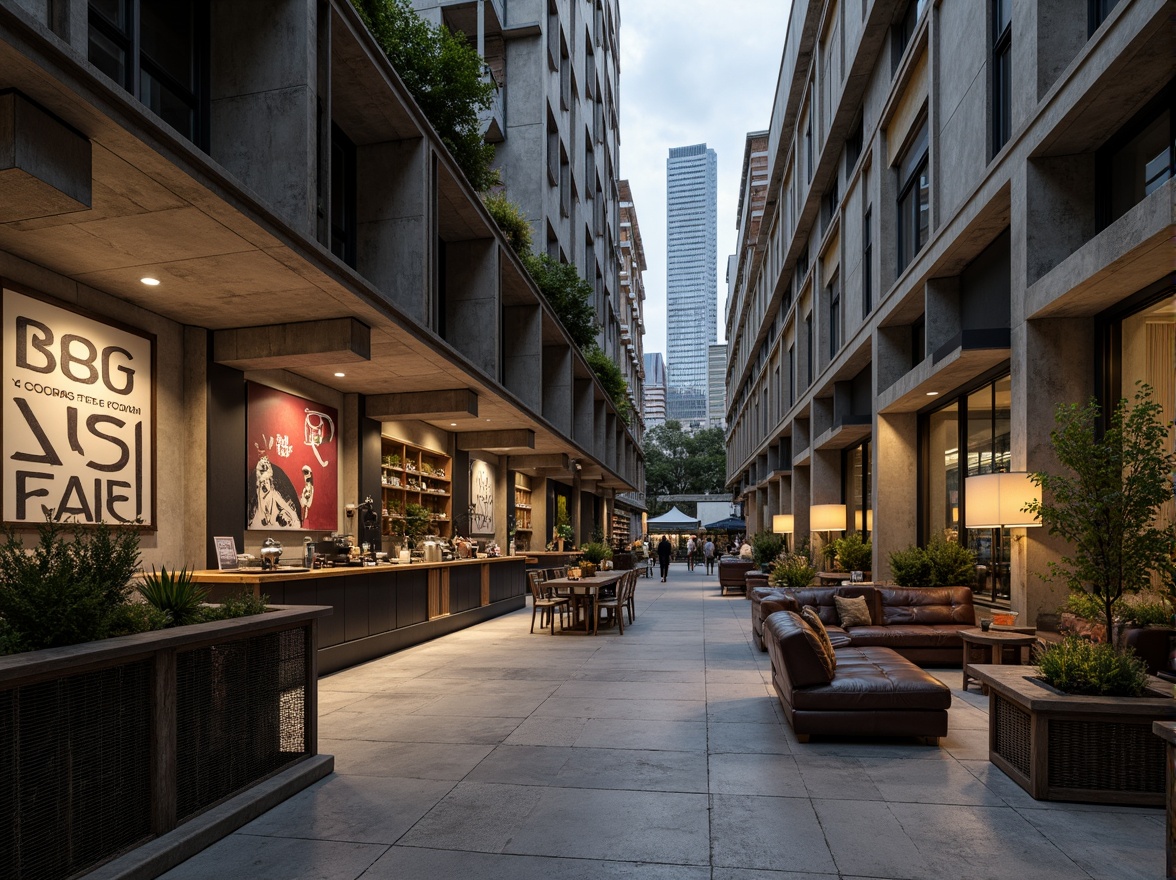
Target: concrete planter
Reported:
[(1061, 747), (108, 745)]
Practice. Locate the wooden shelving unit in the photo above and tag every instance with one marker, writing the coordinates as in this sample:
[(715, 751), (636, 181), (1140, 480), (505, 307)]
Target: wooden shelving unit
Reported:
[(620, 530), (523, 522), (413, 474)]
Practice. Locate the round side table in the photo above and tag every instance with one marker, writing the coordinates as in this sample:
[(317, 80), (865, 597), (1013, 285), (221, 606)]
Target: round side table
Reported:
[(995, 643)]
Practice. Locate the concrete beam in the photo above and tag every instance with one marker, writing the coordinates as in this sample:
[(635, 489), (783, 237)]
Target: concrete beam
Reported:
[(288, 346), (474, 441), (45, 166), (556, 460), (453, 404)]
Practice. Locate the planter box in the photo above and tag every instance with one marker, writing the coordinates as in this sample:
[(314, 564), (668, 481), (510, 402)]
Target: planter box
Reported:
[(106, 745), (1071, 748)]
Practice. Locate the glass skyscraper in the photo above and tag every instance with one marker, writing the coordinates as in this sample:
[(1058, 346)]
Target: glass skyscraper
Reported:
[(691, 278)]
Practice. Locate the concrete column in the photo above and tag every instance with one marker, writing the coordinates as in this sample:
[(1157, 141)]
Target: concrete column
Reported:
[(557, 386), (471, 301), (523, 354), (894, 470), (801, 498), (584, 412), (196, 394), (577, 535)]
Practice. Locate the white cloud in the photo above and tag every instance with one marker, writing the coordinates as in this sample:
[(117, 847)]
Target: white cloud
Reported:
[(692, 72)]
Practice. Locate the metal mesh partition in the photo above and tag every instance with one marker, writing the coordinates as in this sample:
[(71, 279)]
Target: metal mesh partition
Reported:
[(75, 771), (1011, 732), (1080, 756), (240, 710)]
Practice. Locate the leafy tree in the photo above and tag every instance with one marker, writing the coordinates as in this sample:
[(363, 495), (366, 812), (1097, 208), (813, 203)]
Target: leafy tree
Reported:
[(680, 463), (569, 295), (1106, 501), (612, 379), (443, 74)]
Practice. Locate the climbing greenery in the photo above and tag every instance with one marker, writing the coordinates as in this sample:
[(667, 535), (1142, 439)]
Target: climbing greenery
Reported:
[(445, 76), (511, 221), (612, 379), (569, 295)]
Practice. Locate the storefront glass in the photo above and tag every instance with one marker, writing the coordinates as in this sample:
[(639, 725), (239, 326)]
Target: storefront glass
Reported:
[(856, 490)]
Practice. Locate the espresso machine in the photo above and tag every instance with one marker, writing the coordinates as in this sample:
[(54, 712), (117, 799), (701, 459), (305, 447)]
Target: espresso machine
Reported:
[(336, 550)]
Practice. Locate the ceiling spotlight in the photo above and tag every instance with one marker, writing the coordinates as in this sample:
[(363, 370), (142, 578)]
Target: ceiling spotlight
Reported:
[(149, 281), (453, 424), (340, 375), (932, 393)]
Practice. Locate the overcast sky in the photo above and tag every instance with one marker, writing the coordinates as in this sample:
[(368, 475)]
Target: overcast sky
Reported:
[(692, 71)]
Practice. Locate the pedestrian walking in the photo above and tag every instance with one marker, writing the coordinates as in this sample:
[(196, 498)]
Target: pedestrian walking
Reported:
[(664, 552), (691, 547), (708, 554)]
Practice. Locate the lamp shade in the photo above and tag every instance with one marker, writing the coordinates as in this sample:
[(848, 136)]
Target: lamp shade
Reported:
[(996, 500), (827, 517), (783, 523)]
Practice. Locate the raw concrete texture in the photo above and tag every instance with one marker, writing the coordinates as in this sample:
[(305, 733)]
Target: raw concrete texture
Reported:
[(657, 755)]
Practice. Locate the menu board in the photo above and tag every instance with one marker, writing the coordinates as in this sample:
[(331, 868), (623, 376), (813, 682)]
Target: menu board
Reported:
[(78, 414)]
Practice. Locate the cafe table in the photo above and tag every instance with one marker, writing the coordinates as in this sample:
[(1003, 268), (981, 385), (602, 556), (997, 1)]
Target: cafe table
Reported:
[(584, 591)]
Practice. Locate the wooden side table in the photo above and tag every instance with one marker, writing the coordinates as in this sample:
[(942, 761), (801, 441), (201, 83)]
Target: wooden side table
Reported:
[(995, 642)]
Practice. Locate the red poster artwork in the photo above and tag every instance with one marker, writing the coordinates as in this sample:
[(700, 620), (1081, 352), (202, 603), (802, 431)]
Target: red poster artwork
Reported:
[(293, 455)]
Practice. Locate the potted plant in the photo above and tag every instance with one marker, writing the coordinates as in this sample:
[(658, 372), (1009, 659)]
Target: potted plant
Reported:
[(940, 564), (792, 570), (765, 547), (1106, 499), (592, 554), (417, 518), (1145, 627), (854, 554), (562, 530)]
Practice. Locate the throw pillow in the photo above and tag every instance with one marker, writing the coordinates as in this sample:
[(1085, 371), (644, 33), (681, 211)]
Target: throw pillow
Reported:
[(853, 612), (809, 613)]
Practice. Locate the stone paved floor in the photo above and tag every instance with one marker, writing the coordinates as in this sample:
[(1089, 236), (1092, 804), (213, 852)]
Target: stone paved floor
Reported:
[(656, 755)]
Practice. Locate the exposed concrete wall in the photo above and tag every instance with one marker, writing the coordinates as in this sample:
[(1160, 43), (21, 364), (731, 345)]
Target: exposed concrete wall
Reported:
[(471, 302), (523, 365), (894, 470)]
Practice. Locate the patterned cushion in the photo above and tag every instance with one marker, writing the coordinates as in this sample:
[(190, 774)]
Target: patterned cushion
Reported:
[(814, 620), (853, 612)]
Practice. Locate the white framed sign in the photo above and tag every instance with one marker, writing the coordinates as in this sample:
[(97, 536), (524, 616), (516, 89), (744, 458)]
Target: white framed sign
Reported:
[(226, 553), (482, 475), (79, 416)]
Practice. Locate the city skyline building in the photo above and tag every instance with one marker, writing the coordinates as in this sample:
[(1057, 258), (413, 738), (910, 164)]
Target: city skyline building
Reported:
[(716, 385), (691, 278), (654, 399)]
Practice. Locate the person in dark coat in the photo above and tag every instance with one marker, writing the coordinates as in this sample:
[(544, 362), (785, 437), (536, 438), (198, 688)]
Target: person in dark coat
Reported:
[(664, 552)]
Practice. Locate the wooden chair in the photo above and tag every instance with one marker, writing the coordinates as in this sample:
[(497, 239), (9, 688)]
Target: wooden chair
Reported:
[(540, 599), (630, 604), (615, 605)]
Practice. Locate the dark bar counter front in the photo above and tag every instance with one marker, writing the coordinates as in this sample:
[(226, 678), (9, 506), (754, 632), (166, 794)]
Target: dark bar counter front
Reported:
[(384, 608)]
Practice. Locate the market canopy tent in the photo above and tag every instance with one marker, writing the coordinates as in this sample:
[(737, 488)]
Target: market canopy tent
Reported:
[(730, 524), (673, 521)]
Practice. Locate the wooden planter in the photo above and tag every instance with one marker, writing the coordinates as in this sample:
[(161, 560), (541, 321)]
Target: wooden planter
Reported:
[(1070, 748), (108, 744)]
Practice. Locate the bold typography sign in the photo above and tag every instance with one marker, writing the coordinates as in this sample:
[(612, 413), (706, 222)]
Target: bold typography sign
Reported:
[(293, 455), (481, 497), (78, 416)]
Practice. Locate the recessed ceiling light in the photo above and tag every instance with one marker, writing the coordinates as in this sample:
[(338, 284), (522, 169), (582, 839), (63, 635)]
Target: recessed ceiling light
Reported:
[(932, 393), (149, 281), (340, 375), (453, 424)]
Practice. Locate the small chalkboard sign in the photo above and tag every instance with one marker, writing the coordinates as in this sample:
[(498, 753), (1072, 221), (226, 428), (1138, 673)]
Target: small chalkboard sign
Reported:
[(226, 553)]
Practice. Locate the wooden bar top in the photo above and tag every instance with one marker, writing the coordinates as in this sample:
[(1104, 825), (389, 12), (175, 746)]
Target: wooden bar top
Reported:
[(255, 576)]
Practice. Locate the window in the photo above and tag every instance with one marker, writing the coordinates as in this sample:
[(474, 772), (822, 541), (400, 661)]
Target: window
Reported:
[(829, 203), (1139, 159), (808, 150), (914, 191), (157, 51), (855, 489), (791, 376), (808, 343), (918, 341), (834, 316), (1002, 54), (343, 193), (905, 27), (867, 261), (853, 148), (1100, 10)]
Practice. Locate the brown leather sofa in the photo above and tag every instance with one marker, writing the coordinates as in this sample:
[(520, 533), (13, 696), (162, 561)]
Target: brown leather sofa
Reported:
[(731, 572), (922, 624), (871, 692)]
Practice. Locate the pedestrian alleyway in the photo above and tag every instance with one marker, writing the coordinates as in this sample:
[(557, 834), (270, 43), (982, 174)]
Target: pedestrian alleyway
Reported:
[(657, 755)]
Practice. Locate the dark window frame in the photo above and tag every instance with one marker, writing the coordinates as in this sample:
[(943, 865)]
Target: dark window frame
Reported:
[(811, 361), (1001, 61), (868, 261), (344, 228), (1165, 99), (835, 339), (913, 162), (1098, 11)]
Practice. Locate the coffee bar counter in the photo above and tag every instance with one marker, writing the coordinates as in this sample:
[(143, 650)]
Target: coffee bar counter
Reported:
[(384, 608)]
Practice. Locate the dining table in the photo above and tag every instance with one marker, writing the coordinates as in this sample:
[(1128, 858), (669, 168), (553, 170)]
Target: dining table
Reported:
[(583, 592)]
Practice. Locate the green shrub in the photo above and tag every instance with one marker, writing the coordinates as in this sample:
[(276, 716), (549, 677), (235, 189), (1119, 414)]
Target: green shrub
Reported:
[(612, 379), (1144, 611), (854, 554), (794, 570), (570, 297), (595, 551), (242, 604), (445, 77), (138, 617), (66, 592), (175, 594), (510, 220), (1078, 666), (952, 564), (911, 567), (1086, 606), (766, 546), (417, 521)]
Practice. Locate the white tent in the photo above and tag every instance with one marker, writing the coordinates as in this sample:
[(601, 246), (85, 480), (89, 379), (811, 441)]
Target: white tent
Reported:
[(673, 521)]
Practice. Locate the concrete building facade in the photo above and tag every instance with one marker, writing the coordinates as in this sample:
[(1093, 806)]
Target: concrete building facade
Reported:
[(691, 278), (304, 228), (968, 221), (716, 385)]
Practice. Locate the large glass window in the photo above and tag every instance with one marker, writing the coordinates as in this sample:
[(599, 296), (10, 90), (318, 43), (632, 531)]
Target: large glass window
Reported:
[(1002, 53), (155, 49), (914, 198), (856, 490), (1139, 159), (966, 437)]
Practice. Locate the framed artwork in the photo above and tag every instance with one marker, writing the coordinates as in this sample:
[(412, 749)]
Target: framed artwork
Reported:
[(482, 475), (293, 456), (78, 415)]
